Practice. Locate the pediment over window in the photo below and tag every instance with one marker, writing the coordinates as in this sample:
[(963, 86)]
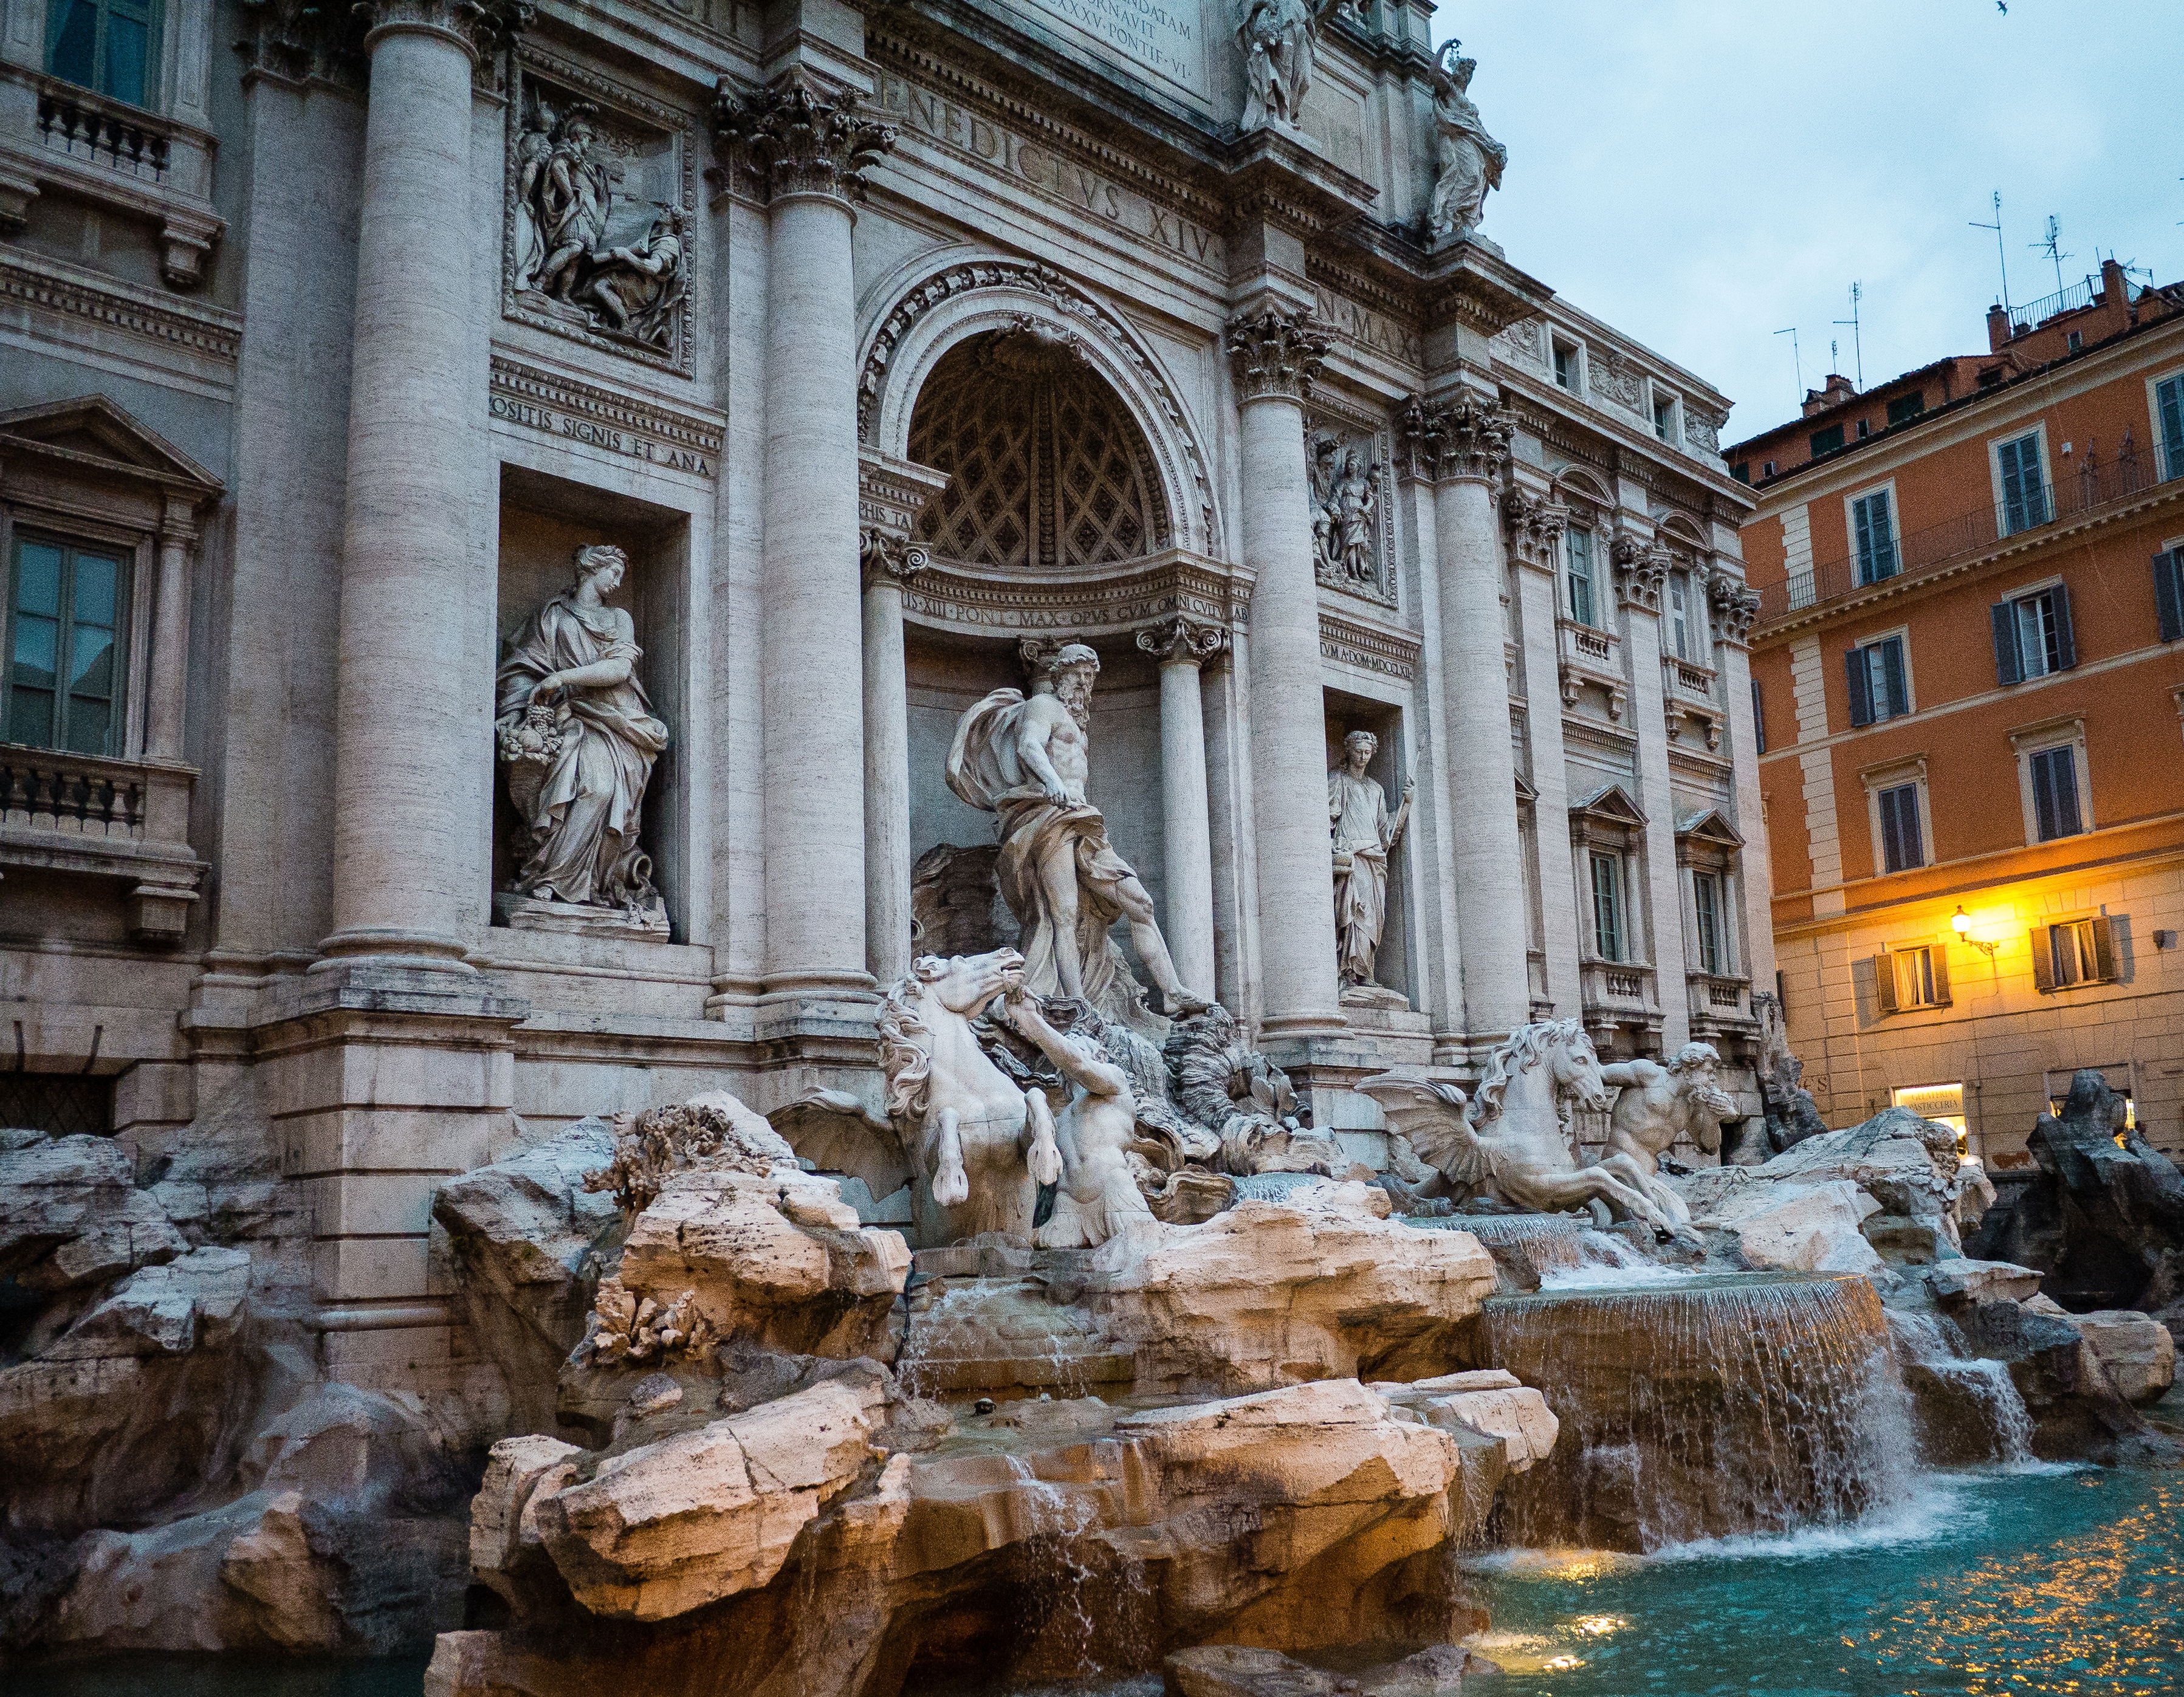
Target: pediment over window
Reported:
[(1709, 825), (1609, 804), (95, 438)]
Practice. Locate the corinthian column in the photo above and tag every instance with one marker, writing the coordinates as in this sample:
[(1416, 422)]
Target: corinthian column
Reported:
[(411, 724), (1182, 646), (1461, 447), (806, 147), (1276, 355), (888, 562)]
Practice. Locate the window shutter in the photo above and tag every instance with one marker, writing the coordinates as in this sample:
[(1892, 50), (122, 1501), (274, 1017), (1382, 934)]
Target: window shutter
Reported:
[(1884, 982), (1758, 720), (1861, 514), (1891, 674), (1860, 678), (1939, 955), (2103, 949), (2169, 593), (2043, 958), (2006, 666), (2066, 645)]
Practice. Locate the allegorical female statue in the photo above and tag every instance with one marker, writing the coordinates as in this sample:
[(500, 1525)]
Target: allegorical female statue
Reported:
[(579, 740), (1467, 161), (1365, 835)]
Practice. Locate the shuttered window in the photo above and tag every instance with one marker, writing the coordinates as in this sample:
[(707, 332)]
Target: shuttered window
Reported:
[(1909, 978), (1874, 520), (1707, 910), (2079, 951), (1879, 682), (1902, 842), (1577, 549), (2169, 403), (2033, 636), (2169, 593), (1679, 614), (1610, 936), (2055, 793), (1758, 719), (2025, 502)]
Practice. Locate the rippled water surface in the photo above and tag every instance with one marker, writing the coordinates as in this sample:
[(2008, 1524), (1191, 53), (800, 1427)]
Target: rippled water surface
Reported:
[(1990, 1584)]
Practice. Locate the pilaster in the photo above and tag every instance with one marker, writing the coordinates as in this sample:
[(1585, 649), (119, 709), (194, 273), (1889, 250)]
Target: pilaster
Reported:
[(1182, 646)]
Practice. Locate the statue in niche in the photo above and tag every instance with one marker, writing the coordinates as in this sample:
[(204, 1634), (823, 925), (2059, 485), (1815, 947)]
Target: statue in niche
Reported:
[(583, 250), (578, 738), (1277, 39), (1467, 161), (1365, 835), (1026, 759)]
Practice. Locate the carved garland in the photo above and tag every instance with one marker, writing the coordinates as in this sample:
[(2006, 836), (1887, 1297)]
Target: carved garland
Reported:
[(1050, 286)]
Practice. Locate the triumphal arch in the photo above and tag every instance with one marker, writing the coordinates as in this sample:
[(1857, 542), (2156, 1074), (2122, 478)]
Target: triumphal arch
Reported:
[(599, 533)]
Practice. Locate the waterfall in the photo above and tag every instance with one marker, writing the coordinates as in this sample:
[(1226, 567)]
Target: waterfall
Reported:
[(1526, 1247), (1715, 1405), (1968, 1408)]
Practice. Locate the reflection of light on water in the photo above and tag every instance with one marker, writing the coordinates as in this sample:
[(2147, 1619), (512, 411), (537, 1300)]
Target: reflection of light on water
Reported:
[(1599, 1626), (1563, 1664)]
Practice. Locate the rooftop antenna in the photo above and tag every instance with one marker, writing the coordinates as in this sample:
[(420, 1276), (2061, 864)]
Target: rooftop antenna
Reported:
[(1797, 355), (2000, 252), (2052, 246), (1857, 336)]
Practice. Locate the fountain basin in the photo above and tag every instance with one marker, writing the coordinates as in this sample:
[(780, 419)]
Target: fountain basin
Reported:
[(1721, 1404)]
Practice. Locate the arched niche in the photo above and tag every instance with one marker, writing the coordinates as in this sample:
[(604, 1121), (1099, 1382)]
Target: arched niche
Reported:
[(936, 304)]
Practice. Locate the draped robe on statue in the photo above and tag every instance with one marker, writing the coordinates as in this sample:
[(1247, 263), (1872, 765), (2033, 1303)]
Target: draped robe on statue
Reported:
[(985, 770), (583, 816), (1363, 828)]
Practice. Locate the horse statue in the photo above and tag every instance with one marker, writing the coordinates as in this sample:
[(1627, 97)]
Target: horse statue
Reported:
[(1512, 1141), (979, 1146)]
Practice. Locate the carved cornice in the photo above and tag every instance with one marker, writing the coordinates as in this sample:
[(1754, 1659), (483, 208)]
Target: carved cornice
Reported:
[(1734, 608), (571, 410), (892, 492), (480, 26), (1535, 524), (1465, 437), (1276, 354), (952, 595), (1641, 568), (1183, 641), (801, 136), (1368, 647), (82, 306)]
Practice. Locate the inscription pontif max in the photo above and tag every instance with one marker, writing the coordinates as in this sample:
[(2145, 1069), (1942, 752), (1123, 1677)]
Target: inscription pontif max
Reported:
[(1167, 37)]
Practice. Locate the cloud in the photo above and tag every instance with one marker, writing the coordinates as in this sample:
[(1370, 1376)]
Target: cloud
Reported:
[(1701, 175)]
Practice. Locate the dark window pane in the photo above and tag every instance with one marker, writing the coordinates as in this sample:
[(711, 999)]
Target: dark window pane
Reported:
[(96, 584), (38, 579), (1827, 441), (90, 726), (59, 1104), (91, 662), (31, 717), (1907, 406), (38, 652), (124, 58), (75, 44)]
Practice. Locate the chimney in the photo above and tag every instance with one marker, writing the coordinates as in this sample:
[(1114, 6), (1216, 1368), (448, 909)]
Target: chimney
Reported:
[(1997, 328), (2115, 287)]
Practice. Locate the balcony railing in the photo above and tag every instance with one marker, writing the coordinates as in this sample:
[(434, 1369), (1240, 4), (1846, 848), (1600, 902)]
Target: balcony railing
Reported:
[(1916, 553), (80, 795), (99, 129)]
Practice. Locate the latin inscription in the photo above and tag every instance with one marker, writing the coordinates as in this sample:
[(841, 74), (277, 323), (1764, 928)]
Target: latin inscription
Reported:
[(1367, 328), (568, 427), (1082, 190), (1166, 37)]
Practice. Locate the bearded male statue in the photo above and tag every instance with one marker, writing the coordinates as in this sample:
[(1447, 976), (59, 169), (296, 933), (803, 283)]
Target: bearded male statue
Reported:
[(1025, 760), (1658, 1104)]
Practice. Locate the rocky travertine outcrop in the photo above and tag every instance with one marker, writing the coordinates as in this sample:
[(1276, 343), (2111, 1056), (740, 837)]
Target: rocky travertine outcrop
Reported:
[(1799, 1227), (71, 1214), (1271, 1293), (1235, 1670), (1486, 1400), (2103, 1217), (1311, 1515), (2134, 1351)]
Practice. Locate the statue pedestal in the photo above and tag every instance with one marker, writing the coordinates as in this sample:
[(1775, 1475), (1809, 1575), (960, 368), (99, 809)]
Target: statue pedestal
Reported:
[(1375, 996), (573, 919)]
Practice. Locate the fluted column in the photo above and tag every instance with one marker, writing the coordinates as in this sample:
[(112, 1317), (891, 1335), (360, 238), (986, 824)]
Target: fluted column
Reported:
[(1182, 647), (1461, 446), (888, 563), (409, 730), (806, 147), (1276, 355)]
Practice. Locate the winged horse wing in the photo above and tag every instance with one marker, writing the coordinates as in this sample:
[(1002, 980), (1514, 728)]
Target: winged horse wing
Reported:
[(1430, 1114)]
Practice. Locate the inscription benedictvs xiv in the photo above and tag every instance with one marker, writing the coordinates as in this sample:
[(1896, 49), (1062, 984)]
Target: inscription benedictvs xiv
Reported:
[(1167, 37)]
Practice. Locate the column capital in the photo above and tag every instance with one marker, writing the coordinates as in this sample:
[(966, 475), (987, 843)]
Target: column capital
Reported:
[(1463, 437), (1183, 641), (1641, 568), (1276, 354), (479, 27), (882, 556), (800, 136), (1535, 524), (1734, 608)]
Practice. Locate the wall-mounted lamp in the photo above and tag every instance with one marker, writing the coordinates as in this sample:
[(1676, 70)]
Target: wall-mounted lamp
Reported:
[(1961, 923)]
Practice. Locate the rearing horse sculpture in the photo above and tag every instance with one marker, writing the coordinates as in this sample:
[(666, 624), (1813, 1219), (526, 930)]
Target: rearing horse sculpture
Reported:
[(979, 1146), (1513, 1141)]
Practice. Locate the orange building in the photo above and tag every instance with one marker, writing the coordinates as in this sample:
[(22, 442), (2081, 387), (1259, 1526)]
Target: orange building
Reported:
[(1969, 678)]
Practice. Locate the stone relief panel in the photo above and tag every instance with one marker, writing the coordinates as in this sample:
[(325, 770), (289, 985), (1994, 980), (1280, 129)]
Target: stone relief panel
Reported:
[(600, 197), (1353, 519)]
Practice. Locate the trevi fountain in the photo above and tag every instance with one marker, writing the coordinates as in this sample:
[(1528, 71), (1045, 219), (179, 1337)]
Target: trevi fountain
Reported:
[(934, 905)]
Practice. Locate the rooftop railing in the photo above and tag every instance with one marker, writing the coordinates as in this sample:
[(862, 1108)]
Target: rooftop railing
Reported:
[(1913, 553)]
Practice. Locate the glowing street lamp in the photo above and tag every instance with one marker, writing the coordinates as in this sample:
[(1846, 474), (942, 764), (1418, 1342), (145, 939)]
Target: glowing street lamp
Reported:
[(1961, 923)]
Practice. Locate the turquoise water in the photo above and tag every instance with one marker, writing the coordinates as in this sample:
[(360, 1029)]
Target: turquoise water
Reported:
[(1992, 1584)]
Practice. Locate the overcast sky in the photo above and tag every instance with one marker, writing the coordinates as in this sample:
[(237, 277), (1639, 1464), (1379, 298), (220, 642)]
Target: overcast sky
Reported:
[(1703, 173)]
